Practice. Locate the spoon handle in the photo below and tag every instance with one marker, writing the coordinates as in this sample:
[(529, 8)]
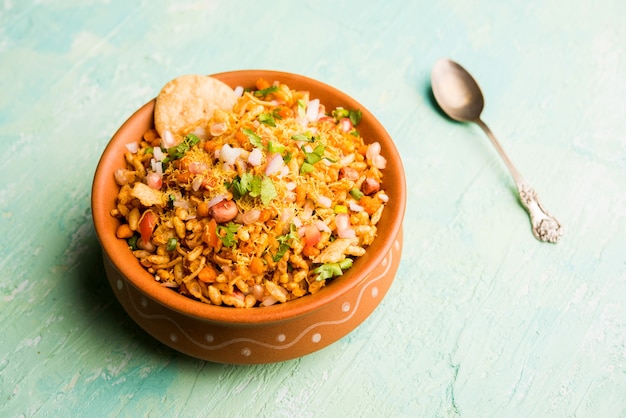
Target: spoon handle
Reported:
[(545, 226)]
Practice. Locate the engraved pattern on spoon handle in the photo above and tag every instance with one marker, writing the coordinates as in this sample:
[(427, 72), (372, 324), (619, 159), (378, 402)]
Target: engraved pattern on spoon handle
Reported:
[(545, 227)]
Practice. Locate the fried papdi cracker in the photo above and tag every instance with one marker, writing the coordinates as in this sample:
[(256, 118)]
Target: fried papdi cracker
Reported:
[(188, 99)]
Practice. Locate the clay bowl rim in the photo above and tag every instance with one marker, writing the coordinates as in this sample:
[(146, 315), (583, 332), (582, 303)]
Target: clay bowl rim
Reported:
[(104, 192)]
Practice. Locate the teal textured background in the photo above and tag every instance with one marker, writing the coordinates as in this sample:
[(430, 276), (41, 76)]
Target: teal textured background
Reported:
[(482, 319)]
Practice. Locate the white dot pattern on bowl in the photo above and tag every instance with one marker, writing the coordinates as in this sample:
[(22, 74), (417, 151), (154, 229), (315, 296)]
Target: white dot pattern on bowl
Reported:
[(281, 339)]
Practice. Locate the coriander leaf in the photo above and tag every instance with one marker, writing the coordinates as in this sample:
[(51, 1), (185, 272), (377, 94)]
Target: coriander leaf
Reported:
[(267, 119), (265, 92), (330, 270), (355, 117), (284, 241), (268, 191), (132, 242), (315, 156), (254, 185), (345, 264), (177, 152), (226, 233), (253, 138), (237, 187), (327, 271)]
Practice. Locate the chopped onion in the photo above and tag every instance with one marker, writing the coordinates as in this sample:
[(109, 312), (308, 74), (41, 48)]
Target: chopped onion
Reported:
[(312, 110), (344, 230), (258, 291), (181, 204), (215, 200), (346, 233), (291, 185), (269, 300), (132, 147), (355, 207), (342, 220), (345, 125), (256, 157), (158, 153), (159, 168), (171, 285), (238, 91), (372, 150), (383, 196), (250, 216), (120, 176), (324, 201), (290, 196), (168, 139), (286, 215), (297, 222), (218, 128), (197, 167), (196, 183), (348, 159), (200, 132), (308, 209), (379, 162), (229, 154), (321, 225), (274, 165)]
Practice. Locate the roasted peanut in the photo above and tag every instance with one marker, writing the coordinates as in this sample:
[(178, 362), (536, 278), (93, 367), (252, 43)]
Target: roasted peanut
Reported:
[(224, 211)]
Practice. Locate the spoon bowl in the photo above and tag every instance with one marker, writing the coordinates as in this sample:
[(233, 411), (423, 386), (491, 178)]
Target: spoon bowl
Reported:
[(459, 96), (456, 91)]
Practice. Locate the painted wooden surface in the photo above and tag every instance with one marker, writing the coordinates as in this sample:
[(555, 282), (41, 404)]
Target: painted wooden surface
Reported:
[(482, 319)]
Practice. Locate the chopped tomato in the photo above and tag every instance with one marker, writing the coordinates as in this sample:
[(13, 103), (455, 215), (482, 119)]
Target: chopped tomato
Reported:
[(284, 112), (210, 234), (154, 180), (328, 119), (311, 235), (146, 225)]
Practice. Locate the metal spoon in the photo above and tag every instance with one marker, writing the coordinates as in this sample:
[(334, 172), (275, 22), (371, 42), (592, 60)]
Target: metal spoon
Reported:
[(459, 96)]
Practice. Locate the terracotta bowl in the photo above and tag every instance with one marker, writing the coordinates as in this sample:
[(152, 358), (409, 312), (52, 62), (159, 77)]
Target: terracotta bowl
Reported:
[(264, 334)]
